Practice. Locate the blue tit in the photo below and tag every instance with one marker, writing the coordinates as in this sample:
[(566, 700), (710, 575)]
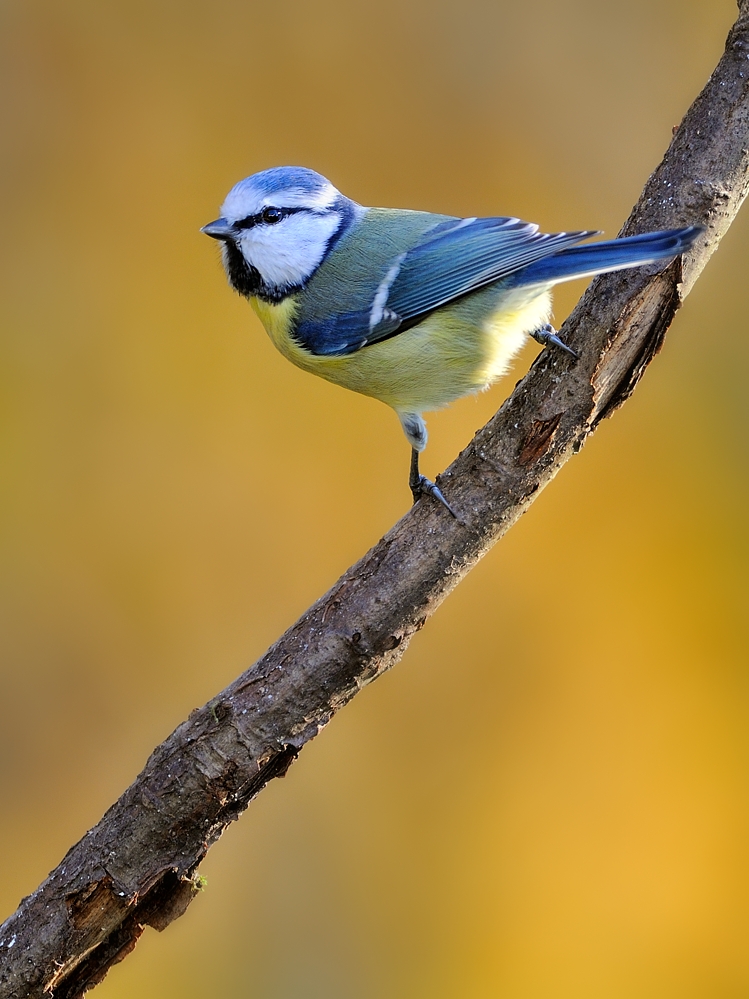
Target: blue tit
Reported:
[(410, 308)]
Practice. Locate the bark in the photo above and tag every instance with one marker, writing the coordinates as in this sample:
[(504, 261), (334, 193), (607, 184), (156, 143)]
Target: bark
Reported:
[(138, 866)]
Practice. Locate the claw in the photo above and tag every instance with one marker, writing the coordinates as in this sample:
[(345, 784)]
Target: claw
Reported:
[(547, 337), (420, 485), (425, 485)]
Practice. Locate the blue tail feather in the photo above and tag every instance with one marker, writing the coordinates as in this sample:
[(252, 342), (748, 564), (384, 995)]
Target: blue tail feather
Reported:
[(612, 255)]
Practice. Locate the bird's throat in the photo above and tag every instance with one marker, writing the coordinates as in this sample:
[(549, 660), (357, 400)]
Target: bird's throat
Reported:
[(248, 281)]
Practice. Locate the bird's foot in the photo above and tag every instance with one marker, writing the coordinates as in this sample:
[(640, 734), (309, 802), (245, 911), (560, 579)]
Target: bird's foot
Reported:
[(422, 486), (425, 486), (547, 336)]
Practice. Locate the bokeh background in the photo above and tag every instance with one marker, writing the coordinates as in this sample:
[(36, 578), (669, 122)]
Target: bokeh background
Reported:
[(548, 796)]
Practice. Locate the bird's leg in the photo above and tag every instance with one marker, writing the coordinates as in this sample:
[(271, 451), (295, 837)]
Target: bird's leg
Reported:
[(547, 336), (421, 485)]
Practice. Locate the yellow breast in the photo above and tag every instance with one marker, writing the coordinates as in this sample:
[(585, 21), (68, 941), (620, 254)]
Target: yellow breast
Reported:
[(459, 349)]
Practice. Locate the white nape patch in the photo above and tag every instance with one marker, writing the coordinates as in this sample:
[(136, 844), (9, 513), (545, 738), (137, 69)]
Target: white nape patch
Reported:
[(245, 199), (381, 295), (287, 253)]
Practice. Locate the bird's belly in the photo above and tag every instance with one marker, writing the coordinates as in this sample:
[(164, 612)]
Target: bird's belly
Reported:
[(459, 349)]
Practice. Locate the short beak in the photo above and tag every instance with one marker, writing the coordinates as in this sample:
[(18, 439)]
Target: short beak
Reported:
[(220, 229)]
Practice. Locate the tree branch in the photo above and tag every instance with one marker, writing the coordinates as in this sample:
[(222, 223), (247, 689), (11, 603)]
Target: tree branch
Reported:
[(137, 866)]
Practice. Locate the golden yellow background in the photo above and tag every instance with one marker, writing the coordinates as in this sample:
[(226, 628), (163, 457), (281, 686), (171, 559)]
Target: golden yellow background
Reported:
[(548, 797)]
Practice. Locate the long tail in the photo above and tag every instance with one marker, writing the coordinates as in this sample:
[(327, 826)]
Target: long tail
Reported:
[(612, 255)]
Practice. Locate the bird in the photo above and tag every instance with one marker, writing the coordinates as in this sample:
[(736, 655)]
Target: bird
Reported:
[(409, 307)]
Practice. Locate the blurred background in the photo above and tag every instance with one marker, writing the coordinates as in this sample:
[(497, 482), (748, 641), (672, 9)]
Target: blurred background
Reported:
[(548, 796)]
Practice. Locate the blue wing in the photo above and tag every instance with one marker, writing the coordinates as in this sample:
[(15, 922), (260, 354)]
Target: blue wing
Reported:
[(466, 257), (453, 259)]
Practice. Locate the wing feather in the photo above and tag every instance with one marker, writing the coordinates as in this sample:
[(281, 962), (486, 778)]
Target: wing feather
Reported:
[(454, 259)]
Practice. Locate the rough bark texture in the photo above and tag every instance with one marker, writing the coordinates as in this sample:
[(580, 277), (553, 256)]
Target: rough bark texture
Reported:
[(137, 866)]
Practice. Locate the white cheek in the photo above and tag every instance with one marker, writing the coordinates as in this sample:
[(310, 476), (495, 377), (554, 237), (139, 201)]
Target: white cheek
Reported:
[(289, 252)]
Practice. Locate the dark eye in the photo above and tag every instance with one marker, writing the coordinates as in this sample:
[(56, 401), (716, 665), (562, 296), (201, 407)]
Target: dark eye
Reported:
[(271, 215)]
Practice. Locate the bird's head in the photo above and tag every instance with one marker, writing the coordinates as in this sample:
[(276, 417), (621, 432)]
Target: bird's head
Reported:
[(276, 228)]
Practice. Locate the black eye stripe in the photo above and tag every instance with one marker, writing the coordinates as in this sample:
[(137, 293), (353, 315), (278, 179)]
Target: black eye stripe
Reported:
[(257, 219)]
